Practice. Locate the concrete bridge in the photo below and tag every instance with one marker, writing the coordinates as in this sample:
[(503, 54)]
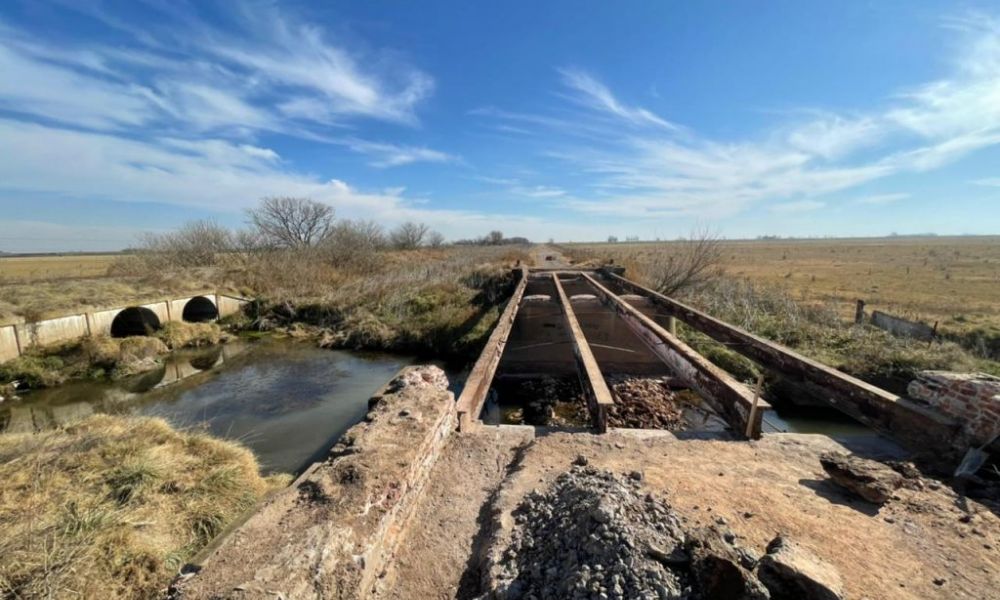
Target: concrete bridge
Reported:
[(123, 321)]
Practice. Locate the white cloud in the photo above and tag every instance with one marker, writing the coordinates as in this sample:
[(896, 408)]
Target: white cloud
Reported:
[(394, 155), (879, 199), (799, 206), (831, 136), (539, 191), (595, 94), (653, 169), (57, 93), (264, 71), (211, 174)]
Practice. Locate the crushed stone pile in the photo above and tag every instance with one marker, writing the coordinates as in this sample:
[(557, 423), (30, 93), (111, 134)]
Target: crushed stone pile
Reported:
[(645, 403), (595, 533)]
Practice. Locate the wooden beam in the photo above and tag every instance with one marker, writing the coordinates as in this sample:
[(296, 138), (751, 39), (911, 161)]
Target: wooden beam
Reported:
[(730, 398), (912, 424), (477, 385), (598, 395)]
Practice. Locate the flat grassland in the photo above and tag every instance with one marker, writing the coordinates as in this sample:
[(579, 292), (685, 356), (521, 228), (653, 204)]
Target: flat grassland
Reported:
[(951, 280), (54, 266)]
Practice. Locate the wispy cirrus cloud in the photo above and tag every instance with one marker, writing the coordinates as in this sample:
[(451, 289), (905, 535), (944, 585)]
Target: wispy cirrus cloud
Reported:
[(394, 155), (596, 95), (798, 206), (640, 164), (213, 174), (880, 199), (539, 191), (264, 71)]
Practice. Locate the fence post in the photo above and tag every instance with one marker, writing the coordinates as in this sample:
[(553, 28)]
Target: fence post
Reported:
[(859, 313), (672, 326)]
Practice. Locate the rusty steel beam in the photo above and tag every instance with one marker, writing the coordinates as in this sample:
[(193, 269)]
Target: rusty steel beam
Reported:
[(598, 395), (477, 385), (910, 423), (730, 398)]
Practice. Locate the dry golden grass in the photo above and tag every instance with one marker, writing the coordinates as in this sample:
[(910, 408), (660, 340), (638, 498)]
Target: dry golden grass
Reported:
[(42, 268), (113, 506), (952, 280)]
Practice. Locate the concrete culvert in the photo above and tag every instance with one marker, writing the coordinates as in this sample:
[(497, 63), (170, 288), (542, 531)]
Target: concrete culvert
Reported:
[(134, 320), (200, 310)]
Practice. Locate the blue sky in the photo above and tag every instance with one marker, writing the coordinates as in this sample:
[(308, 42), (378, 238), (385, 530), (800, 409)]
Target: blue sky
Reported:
[(571, 120)]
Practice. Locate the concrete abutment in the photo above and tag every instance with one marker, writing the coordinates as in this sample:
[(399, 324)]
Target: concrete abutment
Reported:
[(137, 319)]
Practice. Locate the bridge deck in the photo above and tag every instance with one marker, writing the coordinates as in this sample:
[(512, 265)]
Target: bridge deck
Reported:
[(565, 323)]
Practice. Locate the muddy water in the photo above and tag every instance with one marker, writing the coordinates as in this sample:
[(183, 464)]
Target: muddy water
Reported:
[(286, 401)]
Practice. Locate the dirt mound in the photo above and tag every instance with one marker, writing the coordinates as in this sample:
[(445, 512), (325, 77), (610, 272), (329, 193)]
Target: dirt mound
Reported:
[(594, 533)]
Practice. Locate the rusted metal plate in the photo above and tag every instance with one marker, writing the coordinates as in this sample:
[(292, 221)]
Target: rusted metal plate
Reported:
[(904, 420), (470, 402), (594, 386), (729, 397)]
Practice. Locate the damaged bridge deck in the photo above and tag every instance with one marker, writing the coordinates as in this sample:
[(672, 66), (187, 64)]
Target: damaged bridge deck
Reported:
[(594, 323)]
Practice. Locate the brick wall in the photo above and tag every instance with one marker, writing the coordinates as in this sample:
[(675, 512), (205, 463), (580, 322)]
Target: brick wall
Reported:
[(972, 399)]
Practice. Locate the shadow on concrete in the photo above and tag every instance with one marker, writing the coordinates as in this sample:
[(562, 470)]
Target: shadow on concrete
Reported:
[(835, 495), (471, 583)]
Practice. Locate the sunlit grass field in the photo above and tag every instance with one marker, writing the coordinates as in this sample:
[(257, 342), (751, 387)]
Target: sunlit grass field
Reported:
[(48, 267), (952, 280)]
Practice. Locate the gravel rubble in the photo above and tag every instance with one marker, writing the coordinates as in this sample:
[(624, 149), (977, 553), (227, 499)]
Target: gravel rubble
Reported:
[(595, 535)]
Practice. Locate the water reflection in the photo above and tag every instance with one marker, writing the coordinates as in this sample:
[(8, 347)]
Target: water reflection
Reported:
[(287, 401)]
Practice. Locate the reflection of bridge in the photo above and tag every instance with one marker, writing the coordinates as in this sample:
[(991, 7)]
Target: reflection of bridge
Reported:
[(31, 416), (123, 321)]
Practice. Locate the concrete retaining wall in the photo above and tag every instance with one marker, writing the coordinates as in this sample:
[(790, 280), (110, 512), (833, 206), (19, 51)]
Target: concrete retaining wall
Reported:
[(335, 530), (100, 321), (229, 305), (973, 399), (16, 338), (9, 348), (901, 327), (53, 331)]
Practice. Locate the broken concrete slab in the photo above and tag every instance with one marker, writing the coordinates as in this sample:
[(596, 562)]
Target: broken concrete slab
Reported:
[(722, 569), (873, 481), (792, 572)]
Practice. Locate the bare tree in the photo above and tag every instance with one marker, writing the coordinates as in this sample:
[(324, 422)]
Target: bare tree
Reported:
[(353, 244), (435, 239), (612, 239), (194, 244), (690, 263), (292, 222), (494, 238), (409, 235)]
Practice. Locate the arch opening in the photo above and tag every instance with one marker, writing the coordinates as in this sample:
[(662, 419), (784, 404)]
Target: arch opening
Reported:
[(134, 320), (200, 310)]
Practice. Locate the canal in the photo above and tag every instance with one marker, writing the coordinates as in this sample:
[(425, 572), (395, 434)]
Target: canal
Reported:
[(287, 401)]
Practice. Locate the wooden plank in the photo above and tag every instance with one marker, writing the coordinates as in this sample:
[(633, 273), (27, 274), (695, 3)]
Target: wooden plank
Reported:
[(477, 385), (899, 417), (598, 394), (730, 398)]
